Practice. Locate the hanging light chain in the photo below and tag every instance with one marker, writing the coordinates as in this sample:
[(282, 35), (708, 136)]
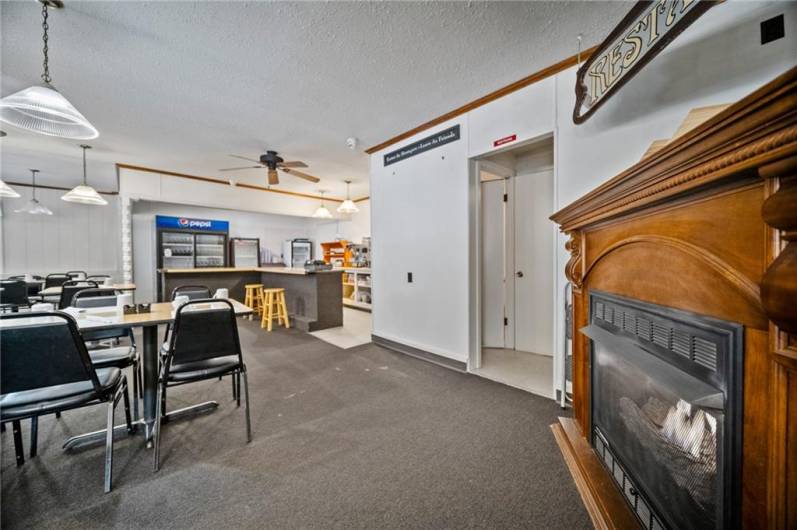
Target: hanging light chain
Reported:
[(33, 172), (45, 49)]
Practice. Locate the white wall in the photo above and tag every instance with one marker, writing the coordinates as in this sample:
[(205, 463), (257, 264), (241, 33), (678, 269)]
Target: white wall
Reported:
[(271, 229), (419, 224), (420, 217), (75, 237)]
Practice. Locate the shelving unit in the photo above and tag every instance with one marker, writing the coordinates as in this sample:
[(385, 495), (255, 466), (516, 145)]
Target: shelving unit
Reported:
[(357, 287), (337, 253)]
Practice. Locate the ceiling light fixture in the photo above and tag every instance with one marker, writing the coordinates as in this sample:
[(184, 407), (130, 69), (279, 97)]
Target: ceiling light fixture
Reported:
[(348, 205), (33, 206), (83, 193), (322, 212), (41, 108)]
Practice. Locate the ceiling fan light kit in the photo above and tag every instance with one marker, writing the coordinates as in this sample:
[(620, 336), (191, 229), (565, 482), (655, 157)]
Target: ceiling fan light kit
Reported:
[(33, 206), (41, 108), (83, 193), (272, 162), (348, 205)]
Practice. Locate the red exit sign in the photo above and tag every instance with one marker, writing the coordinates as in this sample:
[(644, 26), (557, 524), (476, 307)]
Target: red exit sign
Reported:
[(505, 140)]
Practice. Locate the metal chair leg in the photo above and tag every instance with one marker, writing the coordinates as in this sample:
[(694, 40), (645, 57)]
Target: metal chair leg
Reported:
[(156, 434), (58, 415), (234, 387), (136, 389), (109, 445), (18, 449), (126, 397), (237, 378), (2, 427), (248, 420), (34, 435)]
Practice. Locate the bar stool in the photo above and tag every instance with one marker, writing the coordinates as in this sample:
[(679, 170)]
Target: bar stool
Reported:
[(275, 306), (254, 297)]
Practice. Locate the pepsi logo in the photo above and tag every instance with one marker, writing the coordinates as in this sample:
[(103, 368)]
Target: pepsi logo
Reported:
[(183, 222)]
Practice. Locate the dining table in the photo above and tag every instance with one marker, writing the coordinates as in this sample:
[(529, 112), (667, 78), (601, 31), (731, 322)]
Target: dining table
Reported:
[(99, 318)]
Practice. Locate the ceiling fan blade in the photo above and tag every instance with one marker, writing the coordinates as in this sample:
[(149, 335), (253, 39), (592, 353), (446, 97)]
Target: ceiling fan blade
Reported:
[(239, 168), (245, 158), (273, 177), (299, 174), (295, 163)]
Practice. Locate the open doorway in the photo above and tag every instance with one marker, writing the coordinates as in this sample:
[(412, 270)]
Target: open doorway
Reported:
[(516, 268)]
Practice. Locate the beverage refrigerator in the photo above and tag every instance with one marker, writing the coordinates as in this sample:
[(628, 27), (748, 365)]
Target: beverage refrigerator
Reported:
[(184, 243), (295, 252), (244, 252)]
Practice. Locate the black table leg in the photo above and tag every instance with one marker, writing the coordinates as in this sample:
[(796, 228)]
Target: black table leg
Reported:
[(150, 365)]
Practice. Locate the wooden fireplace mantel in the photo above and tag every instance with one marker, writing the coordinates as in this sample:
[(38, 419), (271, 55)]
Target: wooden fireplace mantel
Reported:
[(707, 224)]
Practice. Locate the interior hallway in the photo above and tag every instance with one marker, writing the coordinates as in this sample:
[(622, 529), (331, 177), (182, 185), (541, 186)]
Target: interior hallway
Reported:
[(356, 438), (531, 372)]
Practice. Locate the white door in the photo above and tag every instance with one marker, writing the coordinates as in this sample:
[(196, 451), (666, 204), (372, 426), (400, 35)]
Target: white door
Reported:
[(534, 242)]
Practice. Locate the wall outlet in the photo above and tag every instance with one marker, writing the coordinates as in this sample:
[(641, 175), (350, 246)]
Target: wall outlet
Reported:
[(409, 277), (772, 29)]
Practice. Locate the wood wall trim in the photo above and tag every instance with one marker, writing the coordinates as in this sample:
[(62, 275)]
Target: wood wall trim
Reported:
[(227, 183), (492, 96), (59, 188), (761, 127)]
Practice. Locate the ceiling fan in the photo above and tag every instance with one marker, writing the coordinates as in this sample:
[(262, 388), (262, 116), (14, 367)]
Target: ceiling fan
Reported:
[(273, 162)]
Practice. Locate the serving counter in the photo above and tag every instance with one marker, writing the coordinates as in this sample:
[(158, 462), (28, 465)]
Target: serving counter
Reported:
[(313, 298)]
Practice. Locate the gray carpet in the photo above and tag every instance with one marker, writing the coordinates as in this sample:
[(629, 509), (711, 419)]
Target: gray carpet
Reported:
[(358, 438)]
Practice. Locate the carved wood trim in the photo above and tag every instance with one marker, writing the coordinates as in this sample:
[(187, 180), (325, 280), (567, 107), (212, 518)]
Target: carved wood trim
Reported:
[(748, 287), (574, 270), (760, 128)]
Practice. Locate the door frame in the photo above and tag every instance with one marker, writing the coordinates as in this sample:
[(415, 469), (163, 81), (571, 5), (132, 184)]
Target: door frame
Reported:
[(475, 229)]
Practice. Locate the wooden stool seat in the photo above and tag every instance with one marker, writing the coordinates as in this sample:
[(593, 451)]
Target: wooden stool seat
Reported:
[(274, 306), (254, 297)]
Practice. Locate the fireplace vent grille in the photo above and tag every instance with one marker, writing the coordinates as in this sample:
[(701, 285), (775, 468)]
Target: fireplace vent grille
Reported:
[(697, 349)]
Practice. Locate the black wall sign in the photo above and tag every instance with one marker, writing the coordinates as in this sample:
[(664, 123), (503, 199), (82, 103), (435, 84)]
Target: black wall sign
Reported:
[(425, 144)]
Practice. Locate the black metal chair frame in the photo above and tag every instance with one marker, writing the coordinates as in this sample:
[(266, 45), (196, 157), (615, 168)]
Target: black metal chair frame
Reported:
[(166, 364), (55, 280), (21, 299), (90, 335), (76, 274), (111, 396), (67, 295)]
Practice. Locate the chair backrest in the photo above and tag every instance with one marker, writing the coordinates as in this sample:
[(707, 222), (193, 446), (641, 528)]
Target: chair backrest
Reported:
[(76, 275), (193, 292), (204, 329), (40, 350), (55, 280), (13, 292), (94, 298), (68, 290)]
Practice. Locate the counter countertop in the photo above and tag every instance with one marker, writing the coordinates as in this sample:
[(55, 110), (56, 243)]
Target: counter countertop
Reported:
[(275, 270)]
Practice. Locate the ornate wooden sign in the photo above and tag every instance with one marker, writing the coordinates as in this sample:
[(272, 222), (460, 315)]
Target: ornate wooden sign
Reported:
[(646, 30)]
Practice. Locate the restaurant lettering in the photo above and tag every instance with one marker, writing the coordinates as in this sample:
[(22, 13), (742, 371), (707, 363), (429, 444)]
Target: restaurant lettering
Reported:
[(647, 29)]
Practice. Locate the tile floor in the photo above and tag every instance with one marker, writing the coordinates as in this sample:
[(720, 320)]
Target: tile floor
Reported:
[(356, 330)]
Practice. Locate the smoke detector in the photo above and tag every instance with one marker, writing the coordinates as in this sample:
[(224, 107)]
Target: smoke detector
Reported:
[(351, 143)]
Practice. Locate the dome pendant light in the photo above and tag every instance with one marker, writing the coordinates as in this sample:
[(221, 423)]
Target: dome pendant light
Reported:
[(34, 207), (84, 194), (322, 212), (7, 191), (348, 205), (42, 109)]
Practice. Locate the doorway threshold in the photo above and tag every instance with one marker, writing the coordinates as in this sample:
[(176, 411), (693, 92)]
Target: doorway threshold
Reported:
[(530, 372)]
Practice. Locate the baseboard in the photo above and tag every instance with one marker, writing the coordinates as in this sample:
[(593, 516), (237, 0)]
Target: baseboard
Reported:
[(439, 360), (604, 502)]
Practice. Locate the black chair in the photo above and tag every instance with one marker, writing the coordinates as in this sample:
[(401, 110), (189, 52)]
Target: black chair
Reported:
[(13, 295), (33, 287), (70, 288), (193, 292), (122, 356), (55, 280), (99, 278), (204, 345), (76, 275), (45, 368)]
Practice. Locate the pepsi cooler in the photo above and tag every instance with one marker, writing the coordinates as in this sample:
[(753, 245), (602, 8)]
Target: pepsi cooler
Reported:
[(185, 243)]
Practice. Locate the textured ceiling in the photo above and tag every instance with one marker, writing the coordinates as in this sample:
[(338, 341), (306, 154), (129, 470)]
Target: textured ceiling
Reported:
[(179, 85)]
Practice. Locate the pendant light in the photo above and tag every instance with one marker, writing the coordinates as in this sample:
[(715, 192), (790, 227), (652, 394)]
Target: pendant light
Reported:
[(7, 191), (348, 205), (83, 193), (322, 212), (34, 207), (41, 108)]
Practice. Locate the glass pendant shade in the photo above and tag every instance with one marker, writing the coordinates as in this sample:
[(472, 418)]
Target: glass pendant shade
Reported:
[(44, 110), (7, 191), (34, 207), (348, 206), (84, 195), (322, 213)]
